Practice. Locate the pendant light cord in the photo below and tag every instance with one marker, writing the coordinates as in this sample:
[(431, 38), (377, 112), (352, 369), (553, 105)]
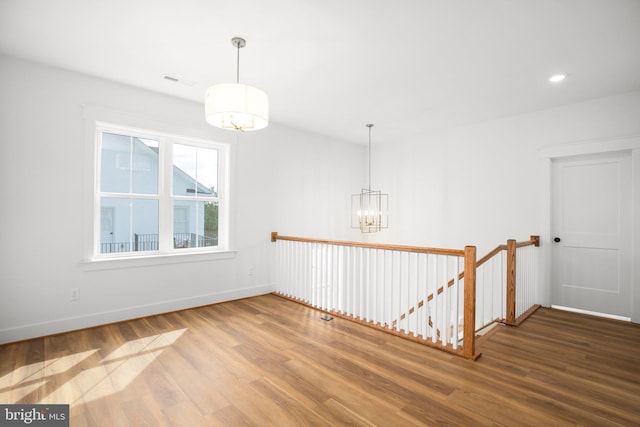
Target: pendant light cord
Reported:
[(239, 43), (238, 64)]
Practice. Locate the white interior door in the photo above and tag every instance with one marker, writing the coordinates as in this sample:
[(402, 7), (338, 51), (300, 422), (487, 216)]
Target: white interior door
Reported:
[(591, 226)]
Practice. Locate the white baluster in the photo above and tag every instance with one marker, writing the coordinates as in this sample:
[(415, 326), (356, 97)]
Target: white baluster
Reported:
[(388, 281), (308, 273), (343, 278), (436, 298), (279, 267), (321, 275), (456, 300), (326, 274), (408, 294), (372, 287), (293, 264), (290, 264), (286, 267), (348, 282), (318, 262), (299, 267), (481, 291), (355, 297), (416, 298), (367, 284), (286, 259), (425, 307), (361, 283), (397, 288), (446, 303), (377, 277), (336, 277)]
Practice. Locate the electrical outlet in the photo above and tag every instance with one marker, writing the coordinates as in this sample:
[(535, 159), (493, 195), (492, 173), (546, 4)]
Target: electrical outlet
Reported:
[(75, 294)]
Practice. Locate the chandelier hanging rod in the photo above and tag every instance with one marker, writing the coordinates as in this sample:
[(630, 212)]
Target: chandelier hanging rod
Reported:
[(238, 42), (369, 125)]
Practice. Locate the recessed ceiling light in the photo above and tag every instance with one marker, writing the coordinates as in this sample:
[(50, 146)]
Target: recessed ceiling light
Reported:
[(557, 78)]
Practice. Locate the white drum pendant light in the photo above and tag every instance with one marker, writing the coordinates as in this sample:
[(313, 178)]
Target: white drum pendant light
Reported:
[(237, 106)]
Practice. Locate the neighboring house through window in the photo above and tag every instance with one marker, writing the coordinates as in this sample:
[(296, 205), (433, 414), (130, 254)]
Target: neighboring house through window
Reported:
[(180, 219), (157, 193)]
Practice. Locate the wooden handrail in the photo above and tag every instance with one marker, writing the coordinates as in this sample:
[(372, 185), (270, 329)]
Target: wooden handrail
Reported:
[(491, 254), (417, 249), (534, 240)]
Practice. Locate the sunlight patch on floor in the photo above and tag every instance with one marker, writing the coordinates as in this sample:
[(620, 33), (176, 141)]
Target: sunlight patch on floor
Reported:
[(71, 379), (26, 379)]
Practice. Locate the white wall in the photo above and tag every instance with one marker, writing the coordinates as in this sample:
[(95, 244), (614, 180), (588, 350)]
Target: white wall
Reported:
[(284, 180), (495, 172)]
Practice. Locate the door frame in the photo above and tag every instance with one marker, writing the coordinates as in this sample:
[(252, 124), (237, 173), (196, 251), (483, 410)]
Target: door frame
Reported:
[(597, 146)]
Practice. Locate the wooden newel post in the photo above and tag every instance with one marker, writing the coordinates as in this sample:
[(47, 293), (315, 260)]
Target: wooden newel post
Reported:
[(511, 282), (469, 339)]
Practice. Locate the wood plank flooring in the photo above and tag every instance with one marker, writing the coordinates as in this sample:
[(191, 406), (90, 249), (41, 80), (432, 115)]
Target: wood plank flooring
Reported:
[(266, 361)]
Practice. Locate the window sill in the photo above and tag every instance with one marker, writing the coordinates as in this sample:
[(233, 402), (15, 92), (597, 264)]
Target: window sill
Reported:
[(152, 260)]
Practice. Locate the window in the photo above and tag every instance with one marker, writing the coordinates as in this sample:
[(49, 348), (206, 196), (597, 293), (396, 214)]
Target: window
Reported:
[(157, 193)]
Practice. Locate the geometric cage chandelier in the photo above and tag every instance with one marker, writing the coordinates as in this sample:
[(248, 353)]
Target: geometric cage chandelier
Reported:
[(369, 208), (237, 106)]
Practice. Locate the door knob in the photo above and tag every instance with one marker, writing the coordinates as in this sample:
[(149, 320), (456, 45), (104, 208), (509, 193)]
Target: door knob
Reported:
[(556, 239)]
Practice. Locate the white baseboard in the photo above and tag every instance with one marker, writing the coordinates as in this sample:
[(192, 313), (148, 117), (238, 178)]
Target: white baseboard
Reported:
[(592, 313), (68, 324)]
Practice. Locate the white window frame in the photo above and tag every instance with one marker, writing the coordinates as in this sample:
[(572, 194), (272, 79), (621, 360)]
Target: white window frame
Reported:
[(92, 258)]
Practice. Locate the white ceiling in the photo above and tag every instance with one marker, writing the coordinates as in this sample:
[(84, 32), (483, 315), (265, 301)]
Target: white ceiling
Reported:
[(330, 66)]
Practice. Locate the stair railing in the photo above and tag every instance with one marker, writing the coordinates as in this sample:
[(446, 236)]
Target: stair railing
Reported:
[(522, 282), (504, 294), (418, 293), (382, 286)]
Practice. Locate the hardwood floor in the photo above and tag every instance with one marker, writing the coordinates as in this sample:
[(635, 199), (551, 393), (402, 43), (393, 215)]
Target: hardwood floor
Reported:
[(266, 361)]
